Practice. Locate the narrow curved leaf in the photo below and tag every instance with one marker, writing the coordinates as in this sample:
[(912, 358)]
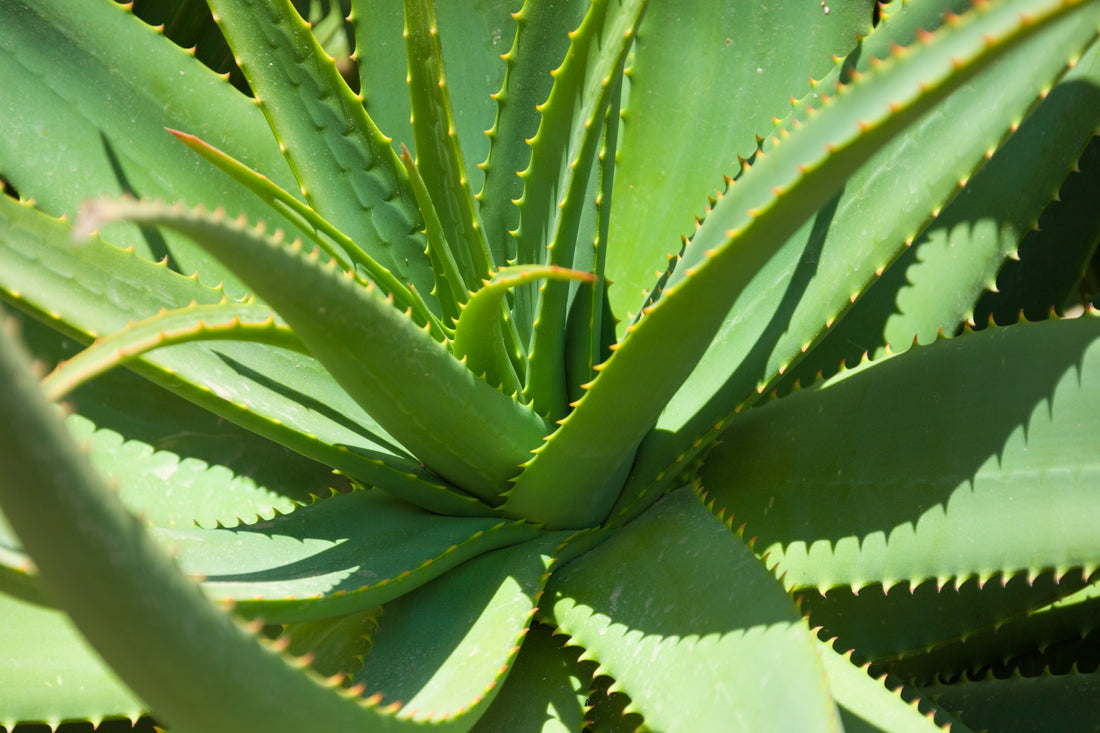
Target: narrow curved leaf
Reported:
[(95, 289), (99, 565), (457, 424), (220, 321), (345, 166), (479, 332), (56, 120)]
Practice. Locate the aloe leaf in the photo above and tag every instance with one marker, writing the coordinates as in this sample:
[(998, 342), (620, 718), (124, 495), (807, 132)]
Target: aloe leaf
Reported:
[(221, 321), (588, 336), (1021, 703), (345, 166), (479, 333), (121, 147), (482, 33), (545, 691), (834, 257), (99, 565), (556, 183), (1035, 283), (540, 43), (738, 238), (1069, 619), (168, 488), (343, 554), (907, 619), (337, 646), (94, 289), (983, 225), (438, 153), (466, 431), (744, 49), (1016, 500), (866, 705), (442, 652), (673, 632), (48, 672), (449, 286), (561, 157), (346, 252)]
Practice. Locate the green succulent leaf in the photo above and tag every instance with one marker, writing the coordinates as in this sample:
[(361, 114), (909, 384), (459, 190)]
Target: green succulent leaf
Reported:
[(1014, 500), (108, 575), (556, 183), (57, 674), (336, 646), (309, 222), (438, 154), (739, 237), (119, 148), (441, 652), (1037, 283), (866, 705), (340, 555), (465, 430), (479, 332), (844, 248), (966, 244), (743, 48), (678, 634), (95, 289), (545, 691), (221, 321), (345, 166), (990, 703)]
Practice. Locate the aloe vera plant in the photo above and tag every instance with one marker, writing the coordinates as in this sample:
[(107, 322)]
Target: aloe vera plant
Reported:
[(602, 365)]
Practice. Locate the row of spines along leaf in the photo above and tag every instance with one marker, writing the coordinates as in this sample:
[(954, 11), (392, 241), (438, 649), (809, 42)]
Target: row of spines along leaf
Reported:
[(716, 416)]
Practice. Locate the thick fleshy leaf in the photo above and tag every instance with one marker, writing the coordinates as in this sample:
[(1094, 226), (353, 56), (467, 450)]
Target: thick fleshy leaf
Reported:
[(95, 289), (906, 620), (48, 672), (867, 706), (541, 39), (345, 166), (336, 646), (479, 333), (1064, 623), (458, 425), (967, 457), (545, 691), (442, 652), (556, 184), (438, 153), (227, 321), (1053, 259), (966, 245), (335, 243), (1024, 703), (55, 120), (474, 37), (127, 597), (343, 554), (739, 237), (842, 250), (673, 116), (687, 621)]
